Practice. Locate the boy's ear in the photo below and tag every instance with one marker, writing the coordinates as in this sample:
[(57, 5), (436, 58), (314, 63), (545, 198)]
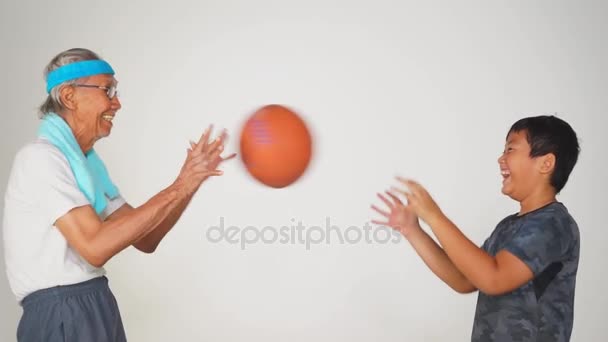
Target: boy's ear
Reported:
[(67, 97), (547, 164)]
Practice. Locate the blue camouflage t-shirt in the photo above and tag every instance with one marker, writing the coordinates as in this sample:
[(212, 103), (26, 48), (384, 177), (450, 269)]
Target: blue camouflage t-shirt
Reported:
[(547, 240)]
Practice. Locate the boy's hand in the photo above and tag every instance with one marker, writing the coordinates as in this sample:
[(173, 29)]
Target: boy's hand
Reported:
[(419, 199), (401, 217)]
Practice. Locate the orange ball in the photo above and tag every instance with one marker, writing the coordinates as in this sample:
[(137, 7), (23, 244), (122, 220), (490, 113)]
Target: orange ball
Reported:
[(276, 146)]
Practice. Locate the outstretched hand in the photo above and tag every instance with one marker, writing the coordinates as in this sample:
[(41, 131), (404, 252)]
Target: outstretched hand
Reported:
[(202, 161), (404, 217), (419, 200), (400, 217)]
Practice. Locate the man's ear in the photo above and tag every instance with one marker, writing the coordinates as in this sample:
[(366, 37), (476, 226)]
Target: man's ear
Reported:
[(547, 163), (67, 97)]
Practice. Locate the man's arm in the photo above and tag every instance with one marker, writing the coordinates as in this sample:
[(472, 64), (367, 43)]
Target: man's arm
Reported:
[(98, 241), (149, 242)]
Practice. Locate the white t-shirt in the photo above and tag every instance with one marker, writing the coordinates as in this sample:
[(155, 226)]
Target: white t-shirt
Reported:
[(40, 190)]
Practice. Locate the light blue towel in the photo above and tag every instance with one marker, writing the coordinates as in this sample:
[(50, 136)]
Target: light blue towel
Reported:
[(90, 172)]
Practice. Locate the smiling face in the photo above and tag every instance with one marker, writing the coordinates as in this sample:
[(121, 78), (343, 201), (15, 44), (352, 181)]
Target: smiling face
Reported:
[(91, 110), (522, 174)]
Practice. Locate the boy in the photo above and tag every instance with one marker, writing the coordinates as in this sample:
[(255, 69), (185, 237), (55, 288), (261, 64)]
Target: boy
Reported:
[(526, 270)]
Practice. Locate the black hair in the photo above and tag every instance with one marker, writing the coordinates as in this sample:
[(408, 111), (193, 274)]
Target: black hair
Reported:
[(550, 134)]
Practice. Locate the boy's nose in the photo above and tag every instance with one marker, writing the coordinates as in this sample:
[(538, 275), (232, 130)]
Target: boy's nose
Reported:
[(501, 158)]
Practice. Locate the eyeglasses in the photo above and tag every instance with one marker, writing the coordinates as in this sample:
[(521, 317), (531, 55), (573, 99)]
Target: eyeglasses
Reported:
[(110, 91)]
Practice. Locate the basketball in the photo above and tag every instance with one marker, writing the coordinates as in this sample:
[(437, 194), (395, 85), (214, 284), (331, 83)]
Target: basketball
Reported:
[(275, 146)]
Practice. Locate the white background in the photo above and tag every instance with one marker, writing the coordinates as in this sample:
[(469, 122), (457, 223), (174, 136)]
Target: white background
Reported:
[(426, 90)]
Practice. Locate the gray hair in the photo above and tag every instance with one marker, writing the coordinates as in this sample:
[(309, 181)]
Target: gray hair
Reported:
[(53, 104)]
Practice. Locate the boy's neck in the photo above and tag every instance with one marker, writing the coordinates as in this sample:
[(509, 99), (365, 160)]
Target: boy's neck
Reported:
[(536, 201)]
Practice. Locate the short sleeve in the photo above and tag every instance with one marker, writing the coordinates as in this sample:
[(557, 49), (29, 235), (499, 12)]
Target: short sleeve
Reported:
[(113, 205), (540, 241), (485, 245), (46, 175)]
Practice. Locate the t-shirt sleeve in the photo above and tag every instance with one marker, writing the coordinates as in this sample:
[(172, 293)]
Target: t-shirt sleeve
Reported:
[(485, 244), (113, 205), (541, 241), (47, 175)]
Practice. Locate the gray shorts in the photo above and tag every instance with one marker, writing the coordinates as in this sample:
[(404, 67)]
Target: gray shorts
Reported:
[(85, 311)]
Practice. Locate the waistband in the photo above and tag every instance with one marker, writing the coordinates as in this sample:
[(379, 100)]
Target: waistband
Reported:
[(63, 291)]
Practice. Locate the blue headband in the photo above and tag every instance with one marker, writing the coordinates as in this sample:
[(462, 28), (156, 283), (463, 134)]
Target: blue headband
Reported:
[(77, 70)]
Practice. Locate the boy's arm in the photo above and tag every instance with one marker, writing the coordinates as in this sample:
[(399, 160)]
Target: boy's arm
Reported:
[(438, 261), (403, 219), (491, 275)]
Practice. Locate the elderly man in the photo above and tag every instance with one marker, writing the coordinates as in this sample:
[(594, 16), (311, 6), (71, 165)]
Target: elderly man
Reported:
[(64, 218)]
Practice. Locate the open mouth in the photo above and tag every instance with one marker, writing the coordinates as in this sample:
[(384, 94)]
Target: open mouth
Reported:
[(506, 175)]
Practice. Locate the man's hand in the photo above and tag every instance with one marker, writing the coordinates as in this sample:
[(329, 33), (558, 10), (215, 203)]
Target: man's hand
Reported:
[(201, 162)]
